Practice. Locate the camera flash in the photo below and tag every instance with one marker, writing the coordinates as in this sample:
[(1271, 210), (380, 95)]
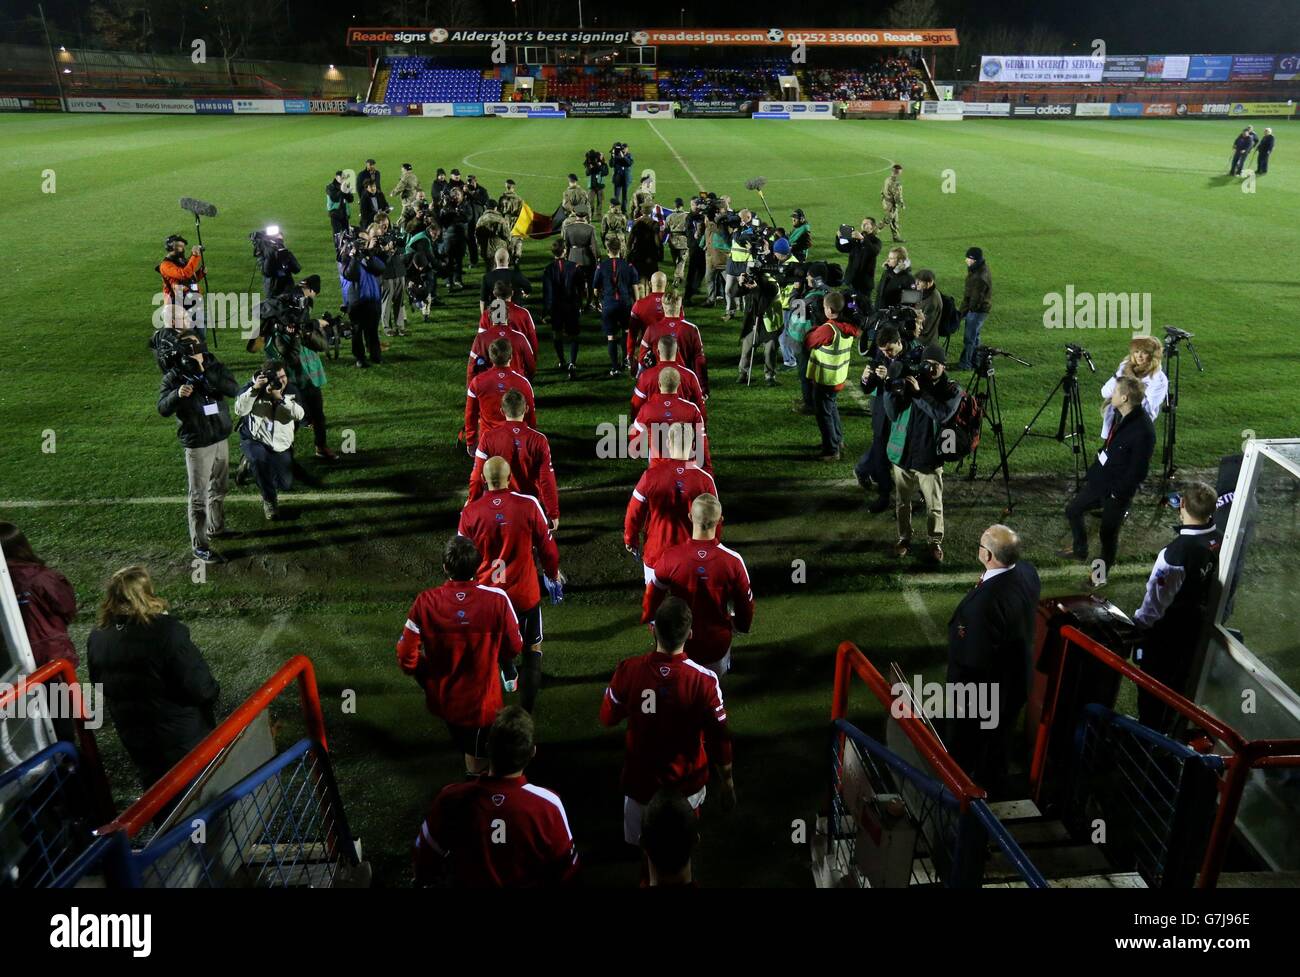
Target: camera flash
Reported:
[(273, 230)]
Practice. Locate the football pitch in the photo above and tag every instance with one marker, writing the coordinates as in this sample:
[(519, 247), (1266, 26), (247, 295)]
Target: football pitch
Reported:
[(96, 478)]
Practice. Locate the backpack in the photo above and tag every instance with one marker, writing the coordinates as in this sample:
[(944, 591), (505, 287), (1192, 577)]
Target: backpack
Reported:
[(962, 430), (949, 321)]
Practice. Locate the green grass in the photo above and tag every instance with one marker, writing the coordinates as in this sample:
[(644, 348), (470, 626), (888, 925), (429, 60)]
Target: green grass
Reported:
[(1105, 206)]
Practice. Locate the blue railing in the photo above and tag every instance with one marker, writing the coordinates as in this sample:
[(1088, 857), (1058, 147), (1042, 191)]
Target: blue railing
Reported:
[(281, 826), (957, 840), (43, 825), (1155, 796)]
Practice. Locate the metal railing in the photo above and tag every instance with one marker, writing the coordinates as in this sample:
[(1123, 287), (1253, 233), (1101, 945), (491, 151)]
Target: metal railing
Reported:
[(1239, 756), (282, 826), (1156, 796), (950, 811), (43, 826)]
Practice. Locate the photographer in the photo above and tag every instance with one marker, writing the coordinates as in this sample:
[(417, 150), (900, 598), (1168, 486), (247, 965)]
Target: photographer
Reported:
[(738, 255), (863, 247), (453, 218), (921, 398), (930, 308), (277, 263), (717, 240), (337, 198), (361, 263), (297, 340), (620, 164), (269, 409), (976, 301), (873, 468), (597, 170), (392, 289), (422, 262), (895, 278), (762, 324), (476, 200), (194, 390), (800, 235)]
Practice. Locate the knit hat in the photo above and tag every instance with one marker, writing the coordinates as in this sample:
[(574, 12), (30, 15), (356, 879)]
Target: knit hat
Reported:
[(781, 246), (975, 253), (312, 282), (936, 353)]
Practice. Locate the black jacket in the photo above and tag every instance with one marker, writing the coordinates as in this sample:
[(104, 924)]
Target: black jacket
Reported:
[(936, 403), (860, 274), (1132, 442), (991, 634), (196, 427), (892, 282), (1265, 145), (159, 691), (978, 295), (512, 275)]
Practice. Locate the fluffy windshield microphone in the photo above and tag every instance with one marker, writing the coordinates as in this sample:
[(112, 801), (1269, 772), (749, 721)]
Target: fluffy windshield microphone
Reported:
[(199, 208)]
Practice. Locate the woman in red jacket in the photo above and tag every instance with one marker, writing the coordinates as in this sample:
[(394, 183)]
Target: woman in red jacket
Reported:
[(46, 598)]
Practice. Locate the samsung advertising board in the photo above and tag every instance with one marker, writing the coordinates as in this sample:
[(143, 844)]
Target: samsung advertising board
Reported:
[(1029, 69)]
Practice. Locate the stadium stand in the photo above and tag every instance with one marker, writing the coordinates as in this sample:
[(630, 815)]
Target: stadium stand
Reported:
[(889, 78), (416, 79)]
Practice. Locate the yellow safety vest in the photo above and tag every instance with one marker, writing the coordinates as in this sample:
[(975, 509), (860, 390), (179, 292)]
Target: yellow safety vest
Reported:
[(828, 366)]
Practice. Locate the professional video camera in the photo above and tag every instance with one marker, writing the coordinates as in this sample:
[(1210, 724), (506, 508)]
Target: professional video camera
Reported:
[(268, 242), (336, 329), (1073, 353)]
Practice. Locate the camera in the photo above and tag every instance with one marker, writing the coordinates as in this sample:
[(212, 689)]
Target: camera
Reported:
[(267, 242), (910, 364), (1073, 353), (272, 380)]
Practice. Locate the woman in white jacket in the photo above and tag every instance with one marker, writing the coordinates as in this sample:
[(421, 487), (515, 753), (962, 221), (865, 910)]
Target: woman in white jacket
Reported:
[(1143, 364)]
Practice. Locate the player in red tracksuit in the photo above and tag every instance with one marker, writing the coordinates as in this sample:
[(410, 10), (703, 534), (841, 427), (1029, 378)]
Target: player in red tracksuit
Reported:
[(661, 502), (690, 347), (527, 452), (498, 830), (502, 311), (506, 527), (676, 722), (522, 357), (460, 639), (486, 390), (714, 583), (648, 382), (646, 311), (658, 413)]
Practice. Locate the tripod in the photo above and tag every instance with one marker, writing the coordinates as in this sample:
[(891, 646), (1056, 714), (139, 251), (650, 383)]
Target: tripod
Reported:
[(1173, 371), (983, 386), (1071, 410)]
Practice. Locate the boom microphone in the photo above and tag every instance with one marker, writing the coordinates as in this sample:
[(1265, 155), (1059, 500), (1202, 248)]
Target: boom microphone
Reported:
[(199, 208)]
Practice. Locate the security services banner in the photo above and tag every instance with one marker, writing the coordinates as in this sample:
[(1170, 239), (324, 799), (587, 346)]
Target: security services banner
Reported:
[(1018, 69)]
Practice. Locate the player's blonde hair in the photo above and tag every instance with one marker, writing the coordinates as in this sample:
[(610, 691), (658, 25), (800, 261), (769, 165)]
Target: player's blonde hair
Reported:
[(667, 347), (672, 302), (496, 472), (670, 381), (706, 511)]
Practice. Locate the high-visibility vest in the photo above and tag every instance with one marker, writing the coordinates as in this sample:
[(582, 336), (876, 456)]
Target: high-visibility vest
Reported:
[(739, 253), (828, 366)]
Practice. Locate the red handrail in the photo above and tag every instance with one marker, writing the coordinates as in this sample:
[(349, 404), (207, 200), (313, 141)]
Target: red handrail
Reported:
[(60, 669), (1246, 754), (192, 764), (848, 658)]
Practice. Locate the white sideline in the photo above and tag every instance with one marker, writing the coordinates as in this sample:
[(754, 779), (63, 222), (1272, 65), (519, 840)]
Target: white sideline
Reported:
[(695, 180)]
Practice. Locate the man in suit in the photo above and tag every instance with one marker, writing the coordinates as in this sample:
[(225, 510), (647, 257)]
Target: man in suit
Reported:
[(1115, 477), (990, 641), (1263, 151)]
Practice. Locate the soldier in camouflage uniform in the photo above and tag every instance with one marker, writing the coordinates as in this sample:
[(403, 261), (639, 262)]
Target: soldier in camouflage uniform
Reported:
[(407, 187), (574, 197), (679, 244), (613, 226), (645, 192), (511, 204), (891, 200), (491, 231)]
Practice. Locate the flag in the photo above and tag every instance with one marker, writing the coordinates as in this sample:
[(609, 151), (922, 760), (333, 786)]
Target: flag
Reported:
[(530, 224), (660, 215)]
